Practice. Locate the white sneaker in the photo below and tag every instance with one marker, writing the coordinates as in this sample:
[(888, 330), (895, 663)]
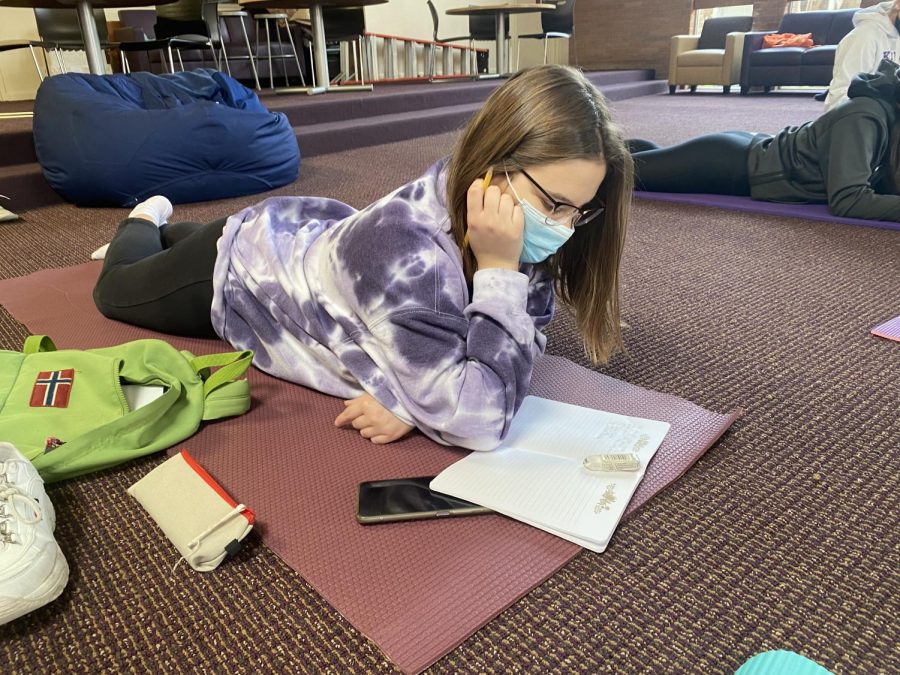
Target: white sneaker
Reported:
[(33, 570)]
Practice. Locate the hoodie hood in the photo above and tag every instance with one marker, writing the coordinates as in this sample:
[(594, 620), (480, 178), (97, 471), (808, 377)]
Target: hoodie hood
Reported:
[(883, 84), (876, 16)]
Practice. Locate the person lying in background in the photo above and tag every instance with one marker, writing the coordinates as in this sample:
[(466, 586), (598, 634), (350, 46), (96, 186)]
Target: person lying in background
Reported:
[(848, 158)]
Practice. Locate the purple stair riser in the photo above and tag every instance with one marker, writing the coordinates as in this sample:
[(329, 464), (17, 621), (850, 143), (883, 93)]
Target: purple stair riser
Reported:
[(315, 110)]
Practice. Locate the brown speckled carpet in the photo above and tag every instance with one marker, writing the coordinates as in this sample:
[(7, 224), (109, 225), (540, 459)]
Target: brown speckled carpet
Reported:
[(784, 536)]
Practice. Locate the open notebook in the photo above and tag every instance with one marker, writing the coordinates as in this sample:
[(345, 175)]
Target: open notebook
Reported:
[(538, 476)]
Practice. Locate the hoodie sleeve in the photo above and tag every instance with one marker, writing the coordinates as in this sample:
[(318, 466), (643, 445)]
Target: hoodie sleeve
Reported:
[(461, 378), (455, 362), (855, 140), (858, 52)]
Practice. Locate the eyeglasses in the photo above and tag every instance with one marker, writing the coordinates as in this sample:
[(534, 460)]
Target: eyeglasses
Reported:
[(562, 211)]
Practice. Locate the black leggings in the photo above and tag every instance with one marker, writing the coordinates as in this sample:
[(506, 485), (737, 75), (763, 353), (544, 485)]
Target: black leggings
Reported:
[(713, 163), (160, 278)]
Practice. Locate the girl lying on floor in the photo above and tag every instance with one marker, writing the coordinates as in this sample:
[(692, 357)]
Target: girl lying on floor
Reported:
[(848, 158), (424, 309)]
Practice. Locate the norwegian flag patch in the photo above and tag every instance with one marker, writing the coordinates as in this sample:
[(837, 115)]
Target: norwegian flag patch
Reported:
[(52, 388)]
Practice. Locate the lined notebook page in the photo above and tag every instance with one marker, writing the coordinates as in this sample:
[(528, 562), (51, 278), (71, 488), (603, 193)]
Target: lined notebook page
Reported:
[(537, 474)]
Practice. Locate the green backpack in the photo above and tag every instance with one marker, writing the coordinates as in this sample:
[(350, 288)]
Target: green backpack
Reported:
[(68, 413)]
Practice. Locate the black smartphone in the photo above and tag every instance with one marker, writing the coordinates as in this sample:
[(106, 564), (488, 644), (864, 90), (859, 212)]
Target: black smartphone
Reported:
[(385, 501)]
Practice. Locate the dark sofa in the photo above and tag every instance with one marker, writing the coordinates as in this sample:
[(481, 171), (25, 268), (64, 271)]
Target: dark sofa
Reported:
[(795, 65)]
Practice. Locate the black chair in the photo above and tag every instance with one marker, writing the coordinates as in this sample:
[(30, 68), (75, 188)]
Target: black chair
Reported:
[(267, 18), (60, 31), (9, 45), (344, 25), (210, 17), (557, 23), (481, 28), (236, 16), (228, 28), (175, 44), (166, 37)]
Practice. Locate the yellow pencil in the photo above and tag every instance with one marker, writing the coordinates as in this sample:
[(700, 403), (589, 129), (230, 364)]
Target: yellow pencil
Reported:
[(487, 180), (484, 186)]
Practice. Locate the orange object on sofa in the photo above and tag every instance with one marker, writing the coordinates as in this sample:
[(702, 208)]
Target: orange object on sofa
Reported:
[(803, 40)]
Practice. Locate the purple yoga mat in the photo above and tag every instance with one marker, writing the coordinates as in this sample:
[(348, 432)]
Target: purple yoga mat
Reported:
[(747, 205), (889, 329), (416, 589)]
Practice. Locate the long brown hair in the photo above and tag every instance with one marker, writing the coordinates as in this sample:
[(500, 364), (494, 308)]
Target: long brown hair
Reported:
[(542, 115)]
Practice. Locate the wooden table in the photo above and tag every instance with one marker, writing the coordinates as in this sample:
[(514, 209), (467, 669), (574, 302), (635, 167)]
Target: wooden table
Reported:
[(85, 9), (321, 78), (500, 13)]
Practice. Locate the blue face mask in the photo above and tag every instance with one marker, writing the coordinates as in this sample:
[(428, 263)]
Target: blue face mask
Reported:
[(541, 238)]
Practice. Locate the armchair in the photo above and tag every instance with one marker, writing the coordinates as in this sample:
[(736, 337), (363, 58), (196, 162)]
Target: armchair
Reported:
[(713, 57)]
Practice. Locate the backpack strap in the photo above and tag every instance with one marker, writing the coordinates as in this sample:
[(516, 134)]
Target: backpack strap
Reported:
[(224, 393), (35, 344)]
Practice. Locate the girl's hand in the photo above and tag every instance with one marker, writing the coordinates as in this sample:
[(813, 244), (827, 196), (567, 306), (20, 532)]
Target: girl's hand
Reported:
[(372, 419), (495, 227)]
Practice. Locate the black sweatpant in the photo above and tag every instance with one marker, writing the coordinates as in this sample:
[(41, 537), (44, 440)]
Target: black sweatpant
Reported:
[(160, 278), (713, 163)]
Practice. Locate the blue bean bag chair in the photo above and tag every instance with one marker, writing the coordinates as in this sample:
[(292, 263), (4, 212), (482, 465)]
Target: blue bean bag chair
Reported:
[(115, 140)]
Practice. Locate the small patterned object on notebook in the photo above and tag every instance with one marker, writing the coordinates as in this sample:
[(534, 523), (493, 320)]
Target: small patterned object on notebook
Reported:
[(890, 329)]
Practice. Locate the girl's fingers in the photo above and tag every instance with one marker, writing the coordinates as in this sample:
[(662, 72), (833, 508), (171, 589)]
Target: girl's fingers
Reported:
[(492, 200), (381, 439), (361, 422), (505, 209), (352, 408), (475, 197), (368, 432)]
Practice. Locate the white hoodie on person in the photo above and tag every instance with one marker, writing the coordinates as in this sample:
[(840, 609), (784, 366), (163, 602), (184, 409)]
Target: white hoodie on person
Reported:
[(873, 38)]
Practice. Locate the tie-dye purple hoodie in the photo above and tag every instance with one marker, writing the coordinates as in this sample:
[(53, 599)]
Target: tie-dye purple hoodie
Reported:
[(347, 302)]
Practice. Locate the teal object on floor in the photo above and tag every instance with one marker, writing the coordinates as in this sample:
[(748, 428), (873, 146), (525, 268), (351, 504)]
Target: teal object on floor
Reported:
[(781, 662)]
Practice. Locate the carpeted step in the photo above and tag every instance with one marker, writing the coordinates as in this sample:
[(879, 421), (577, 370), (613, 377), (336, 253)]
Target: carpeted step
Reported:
[(16, 142), (328, 137), (26, 187), (345, 134), (386, 99), (625, 90), (302, 109)]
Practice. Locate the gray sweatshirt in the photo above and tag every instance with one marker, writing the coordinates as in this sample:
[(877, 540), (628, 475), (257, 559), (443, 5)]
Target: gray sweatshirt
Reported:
[(841, 158)]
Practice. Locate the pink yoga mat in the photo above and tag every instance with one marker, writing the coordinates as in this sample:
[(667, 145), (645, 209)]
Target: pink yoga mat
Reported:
[(889, 329), (416, 589)]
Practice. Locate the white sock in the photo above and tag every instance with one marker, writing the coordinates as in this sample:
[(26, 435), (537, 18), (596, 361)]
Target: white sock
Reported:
[(100, 253), (157, 210)]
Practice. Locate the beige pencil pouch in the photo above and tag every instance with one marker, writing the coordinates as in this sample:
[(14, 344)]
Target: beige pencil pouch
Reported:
[(193, 510)]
